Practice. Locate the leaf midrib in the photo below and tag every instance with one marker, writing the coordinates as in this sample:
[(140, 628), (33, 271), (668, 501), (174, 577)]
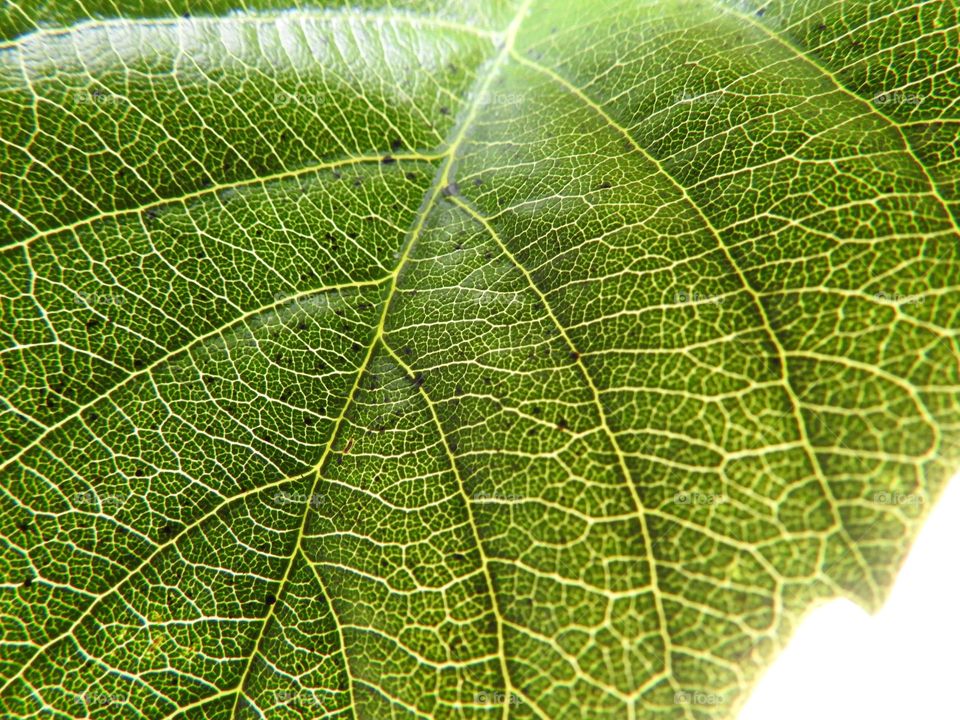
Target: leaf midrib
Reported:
[(441, 182)]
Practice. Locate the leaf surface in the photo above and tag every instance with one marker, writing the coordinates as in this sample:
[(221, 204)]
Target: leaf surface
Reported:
[(468, 359)]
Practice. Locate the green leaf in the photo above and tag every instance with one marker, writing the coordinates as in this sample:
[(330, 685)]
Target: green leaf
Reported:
[(463, 359)]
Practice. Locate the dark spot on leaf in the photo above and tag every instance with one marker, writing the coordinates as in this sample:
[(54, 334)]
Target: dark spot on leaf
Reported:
[(396, 144), (574, 355), (411, 176), (356, 347), (444, 110), (761, 12), (388, 160), (28, 582), (270, 599), (605, 186), (451, 189)]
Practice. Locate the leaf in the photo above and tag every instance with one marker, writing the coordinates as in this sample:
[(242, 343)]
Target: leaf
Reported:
[(463, 359)]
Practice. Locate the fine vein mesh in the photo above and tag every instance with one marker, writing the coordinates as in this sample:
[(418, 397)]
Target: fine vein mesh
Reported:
[(462, 359)]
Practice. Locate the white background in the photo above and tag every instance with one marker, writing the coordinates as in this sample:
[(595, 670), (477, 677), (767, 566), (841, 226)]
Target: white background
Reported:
[(901, 664)]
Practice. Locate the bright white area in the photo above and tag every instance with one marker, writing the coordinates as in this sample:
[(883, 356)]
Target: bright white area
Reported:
[(901, 664)]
